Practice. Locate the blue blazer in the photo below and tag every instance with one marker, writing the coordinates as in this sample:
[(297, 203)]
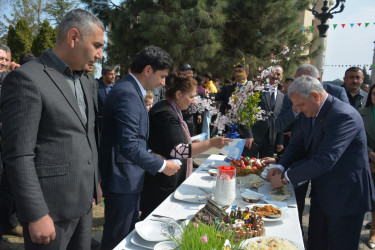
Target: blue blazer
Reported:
[(287, 121), (123, 151), (102, 95), (335, 150)]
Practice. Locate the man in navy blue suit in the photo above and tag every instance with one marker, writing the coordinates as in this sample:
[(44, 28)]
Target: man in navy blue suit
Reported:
[(333, 142), (289, 120), (124, 155), (104, 86)]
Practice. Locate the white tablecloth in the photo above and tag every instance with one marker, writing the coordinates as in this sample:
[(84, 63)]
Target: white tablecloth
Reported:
[(287, 228)]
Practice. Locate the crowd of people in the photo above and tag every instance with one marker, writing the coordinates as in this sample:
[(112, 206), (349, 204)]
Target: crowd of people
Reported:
[(69, 139)]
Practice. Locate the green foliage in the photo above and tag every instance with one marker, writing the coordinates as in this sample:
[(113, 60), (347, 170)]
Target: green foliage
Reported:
[(31, 10), (211, 35), (193, 233), (248, 111), (367, 77), (57, 9), (46, 38), (20, 39)]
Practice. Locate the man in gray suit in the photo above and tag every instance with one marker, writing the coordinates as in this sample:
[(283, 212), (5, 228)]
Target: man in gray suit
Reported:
[(49, 145)]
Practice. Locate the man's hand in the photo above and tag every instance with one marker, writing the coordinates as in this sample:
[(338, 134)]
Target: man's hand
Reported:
[(219, 142), (276, 181), (371, 155), (42, 231), (272, 172), (99, 196), (268, 160), (13, 66), (249, 142), (289, 134), (372, 167), (279, 148), (171, 168), (199, 119)]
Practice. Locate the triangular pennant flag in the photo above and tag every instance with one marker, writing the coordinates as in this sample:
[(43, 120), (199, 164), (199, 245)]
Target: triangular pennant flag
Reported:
[(311, 27), (302, 28), (359, 24), (366, 24), (334, 26), (343, 25), (352, 24)]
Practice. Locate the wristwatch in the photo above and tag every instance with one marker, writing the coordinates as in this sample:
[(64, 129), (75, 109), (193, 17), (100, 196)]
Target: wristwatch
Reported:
[(284, 181)]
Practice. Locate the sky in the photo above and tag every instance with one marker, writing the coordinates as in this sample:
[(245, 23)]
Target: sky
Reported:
[(350, 45)]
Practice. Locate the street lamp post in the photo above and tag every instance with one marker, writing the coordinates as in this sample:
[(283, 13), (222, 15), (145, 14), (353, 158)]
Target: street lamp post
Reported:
[(327, 13)]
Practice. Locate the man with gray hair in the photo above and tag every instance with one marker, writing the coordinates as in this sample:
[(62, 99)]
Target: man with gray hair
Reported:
[(333, 142), (289, 121), (49, 141)]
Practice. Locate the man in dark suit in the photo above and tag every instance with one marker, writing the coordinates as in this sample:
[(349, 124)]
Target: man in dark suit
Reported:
[(49, 144), (124, 155), (289, 121), (263, 137), (353, 80), (333, 142), (105, 85)]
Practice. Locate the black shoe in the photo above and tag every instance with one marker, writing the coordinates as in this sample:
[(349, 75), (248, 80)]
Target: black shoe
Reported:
[(368, 225), (94, 244)]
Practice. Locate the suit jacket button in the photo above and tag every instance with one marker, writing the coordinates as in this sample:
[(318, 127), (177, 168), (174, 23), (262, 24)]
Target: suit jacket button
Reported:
[(90, 161)]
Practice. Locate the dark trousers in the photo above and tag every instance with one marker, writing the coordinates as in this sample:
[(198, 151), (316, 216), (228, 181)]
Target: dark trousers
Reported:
[(121, 213), (331, 231), (71, 235), (8, 218), (259, 151), (300, 198)]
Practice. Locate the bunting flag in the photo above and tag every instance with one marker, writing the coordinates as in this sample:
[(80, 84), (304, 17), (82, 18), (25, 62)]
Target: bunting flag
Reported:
[(370, 66), (343, 25)]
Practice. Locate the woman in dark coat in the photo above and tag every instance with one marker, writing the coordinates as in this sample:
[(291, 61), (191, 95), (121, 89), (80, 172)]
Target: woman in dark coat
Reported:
[(368, 116), (170, 138)]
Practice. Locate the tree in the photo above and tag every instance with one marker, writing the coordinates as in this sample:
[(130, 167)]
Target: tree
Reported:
[(46, 38), (58, 8), (212, 35), (367, 77), (31, 10), (258, 29), (20, 39)]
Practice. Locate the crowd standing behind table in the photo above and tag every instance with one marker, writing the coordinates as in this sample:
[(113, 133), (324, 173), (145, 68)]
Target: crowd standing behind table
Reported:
[(287, 228)]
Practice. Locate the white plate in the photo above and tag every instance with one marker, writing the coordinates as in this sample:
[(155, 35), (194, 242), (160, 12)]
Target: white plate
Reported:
[(215, 164), (246, 242), (190, 193), (154, 230), (165, 245), (267, 188), (266, 218), (137, 240)]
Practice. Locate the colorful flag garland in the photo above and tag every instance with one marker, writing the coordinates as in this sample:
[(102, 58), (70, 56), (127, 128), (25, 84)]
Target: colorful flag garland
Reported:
[(343, 25), (351, 65)]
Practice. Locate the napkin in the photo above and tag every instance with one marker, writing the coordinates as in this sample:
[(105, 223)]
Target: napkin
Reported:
[(234, 148)]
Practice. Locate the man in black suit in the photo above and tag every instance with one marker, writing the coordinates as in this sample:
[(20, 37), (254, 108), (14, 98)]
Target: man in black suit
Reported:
[(105, 85), (8, 217), (262, 138), (49, 141)]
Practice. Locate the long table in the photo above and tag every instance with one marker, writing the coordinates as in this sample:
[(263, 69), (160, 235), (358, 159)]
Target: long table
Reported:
[(287, 228)]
